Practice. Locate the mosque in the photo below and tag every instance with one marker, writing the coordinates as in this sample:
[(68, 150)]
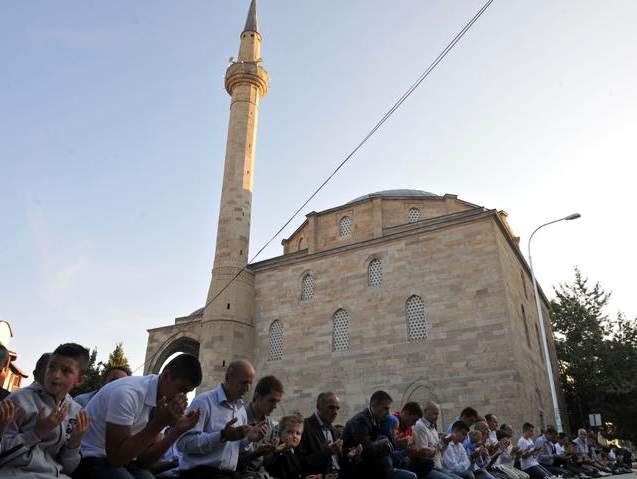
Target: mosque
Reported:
[(423, 295)]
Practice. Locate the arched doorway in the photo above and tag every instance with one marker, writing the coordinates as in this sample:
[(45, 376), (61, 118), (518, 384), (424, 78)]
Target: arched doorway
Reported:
[(183, 344), (422, 391)]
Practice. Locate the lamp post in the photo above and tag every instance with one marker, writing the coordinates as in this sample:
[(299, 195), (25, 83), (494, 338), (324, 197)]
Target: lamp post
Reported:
[(547, 356)]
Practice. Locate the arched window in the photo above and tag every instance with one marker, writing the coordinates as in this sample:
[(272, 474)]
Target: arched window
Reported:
[(375, 273), (526, 326), (413, 215), (307, 287), (345, 227), (276, 341), (300, 244), (340, 331), (416, 319)]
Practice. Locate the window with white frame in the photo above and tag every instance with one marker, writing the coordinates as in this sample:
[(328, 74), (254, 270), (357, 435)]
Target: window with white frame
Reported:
[(345, 227), (375, 273), (276, 341), (340, 331), (416, 319), (413, 215), (307, 287)]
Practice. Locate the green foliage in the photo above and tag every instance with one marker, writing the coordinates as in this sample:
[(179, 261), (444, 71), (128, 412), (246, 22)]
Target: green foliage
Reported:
[(597, 357), (96, 369), (117, 358)]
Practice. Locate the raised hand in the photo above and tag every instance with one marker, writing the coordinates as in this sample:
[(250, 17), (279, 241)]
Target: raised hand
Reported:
[(355, 452), (257, 432), (82, 422), (335, 447), (9, 413), (264, 449), (168, 412), (44, 424), (187, 421), (231, 433)]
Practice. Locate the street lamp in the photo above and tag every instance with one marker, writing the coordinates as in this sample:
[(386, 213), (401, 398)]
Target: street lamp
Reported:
[(547, 356)]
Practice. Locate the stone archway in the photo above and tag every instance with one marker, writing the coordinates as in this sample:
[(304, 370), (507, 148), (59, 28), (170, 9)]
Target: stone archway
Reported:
[(183, 344)]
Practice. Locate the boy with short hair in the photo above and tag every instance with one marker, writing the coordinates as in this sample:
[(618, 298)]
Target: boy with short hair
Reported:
[(45, 439), (455, 459)]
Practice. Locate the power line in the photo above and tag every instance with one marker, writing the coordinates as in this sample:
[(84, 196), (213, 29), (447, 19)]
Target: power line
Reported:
[(376, 127)]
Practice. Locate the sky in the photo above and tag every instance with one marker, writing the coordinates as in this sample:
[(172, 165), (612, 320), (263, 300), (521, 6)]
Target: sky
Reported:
[(114, 122)]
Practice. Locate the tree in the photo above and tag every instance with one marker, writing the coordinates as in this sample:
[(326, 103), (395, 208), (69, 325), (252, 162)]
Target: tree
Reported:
[(597, 357), (118, 358)]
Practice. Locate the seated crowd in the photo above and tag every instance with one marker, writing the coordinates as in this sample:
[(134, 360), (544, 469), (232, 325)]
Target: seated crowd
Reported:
[(141, 427)]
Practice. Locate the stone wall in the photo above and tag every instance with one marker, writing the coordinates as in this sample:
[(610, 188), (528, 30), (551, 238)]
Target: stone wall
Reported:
[(467, 357)]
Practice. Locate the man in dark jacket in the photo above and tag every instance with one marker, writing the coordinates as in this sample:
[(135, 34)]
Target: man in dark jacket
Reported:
[(365, 430), (320, 448)]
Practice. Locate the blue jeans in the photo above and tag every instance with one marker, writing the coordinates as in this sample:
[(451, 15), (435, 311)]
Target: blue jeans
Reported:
[(483, 474), (537, 472), (402, 474)]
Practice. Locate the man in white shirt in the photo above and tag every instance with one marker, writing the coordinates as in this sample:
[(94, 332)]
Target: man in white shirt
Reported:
[(426, 440), (211, 449), (128, 415), (492, 422)]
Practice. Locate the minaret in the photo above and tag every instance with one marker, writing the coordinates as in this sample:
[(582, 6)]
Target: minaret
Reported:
[(227, 327)]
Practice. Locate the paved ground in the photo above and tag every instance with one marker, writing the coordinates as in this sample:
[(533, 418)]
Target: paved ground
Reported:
[(632, 475)]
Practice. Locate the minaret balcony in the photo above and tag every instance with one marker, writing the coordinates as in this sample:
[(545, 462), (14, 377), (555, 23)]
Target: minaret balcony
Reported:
[(247, 72)]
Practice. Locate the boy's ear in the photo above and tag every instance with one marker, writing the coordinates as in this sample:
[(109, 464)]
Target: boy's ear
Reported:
[(80, 380)]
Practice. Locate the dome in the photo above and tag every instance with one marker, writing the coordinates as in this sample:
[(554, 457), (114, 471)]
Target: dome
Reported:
[(397, 194)]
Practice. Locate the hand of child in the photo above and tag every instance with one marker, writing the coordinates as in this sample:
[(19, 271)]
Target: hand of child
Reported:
[(82, 422), (9, 413), (44, 424), (187, 421)]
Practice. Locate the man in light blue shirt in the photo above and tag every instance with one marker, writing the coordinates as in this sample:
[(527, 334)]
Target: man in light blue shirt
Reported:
[(211, 449)]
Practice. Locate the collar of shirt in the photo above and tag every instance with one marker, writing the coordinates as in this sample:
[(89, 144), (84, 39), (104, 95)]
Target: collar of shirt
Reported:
[(251, 417), (430, 425), (151, 393), (375, 421), (318, 418), (221, 398)]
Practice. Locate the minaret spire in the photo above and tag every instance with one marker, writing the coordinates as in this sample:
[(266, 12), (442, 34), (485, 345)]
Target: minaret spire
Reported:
[(227, 329), (252, 22)]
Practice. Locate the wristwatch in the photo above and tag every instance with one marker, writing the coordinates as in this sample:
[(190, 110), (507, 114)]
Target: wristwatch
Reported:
[(222, 436)]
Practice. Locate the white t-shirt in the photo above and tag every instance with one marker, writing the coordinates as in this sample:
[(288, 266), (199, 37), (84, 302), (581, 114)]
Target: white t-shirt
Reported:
[(524, 445), (125, 402)]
